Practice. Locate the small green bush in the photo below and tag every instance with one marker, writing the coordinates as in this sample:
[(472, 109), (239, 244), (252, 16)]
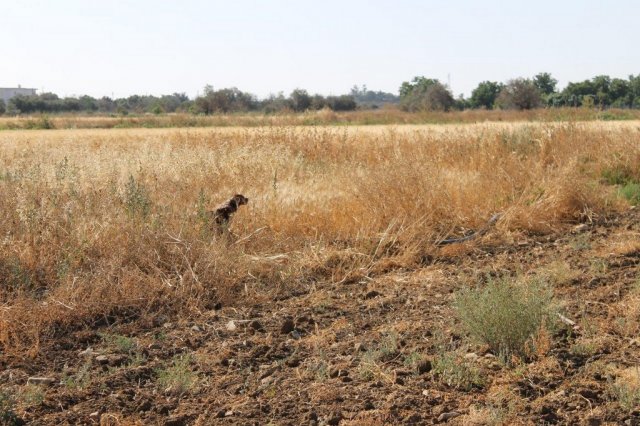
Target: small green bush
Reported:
[(136, 198), (456, 373), (631, 191), (506, 315), (178, 378)]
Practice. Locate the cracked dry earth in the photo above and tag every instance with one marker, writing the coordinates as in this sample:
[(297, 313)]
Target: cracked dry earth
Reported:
[(364, 352)]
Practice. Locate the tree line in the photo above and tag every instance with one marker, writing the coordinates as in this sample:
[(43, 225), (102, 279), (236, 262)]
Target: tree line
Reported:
[(523, 93), (419, 94)]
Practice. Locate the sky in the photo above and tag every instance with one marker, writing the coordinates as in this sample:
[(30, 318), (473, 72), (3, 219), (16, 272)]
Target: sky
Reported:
[(117, 48)]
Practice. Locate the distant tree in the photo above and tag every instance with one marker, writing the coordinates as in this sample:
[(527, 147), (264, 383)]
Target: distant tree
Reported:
[(520, 94), (485, 95), (87, 103), (369, 98), (300, 100), (423, 94), (545, 83), (275, 103), (318, 102), (3, 107), (574, 93), (225, 100), (602, 85), (341, 103), (106, 104), (620, 93)]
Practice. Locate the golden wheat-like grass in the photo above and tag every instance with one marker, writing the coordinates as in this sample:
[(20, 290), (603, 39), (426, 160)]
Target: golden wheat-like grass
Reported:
[(99, 225)]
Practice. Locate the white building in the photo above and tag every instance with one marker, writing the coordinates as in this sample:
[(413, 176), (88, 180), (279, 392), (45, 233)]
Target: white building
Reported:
[(7, 93)]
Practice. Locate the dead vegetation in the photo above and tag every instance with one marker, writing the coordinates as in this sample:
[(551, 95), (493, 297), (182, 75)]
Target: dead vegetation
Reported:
[(105, 230)]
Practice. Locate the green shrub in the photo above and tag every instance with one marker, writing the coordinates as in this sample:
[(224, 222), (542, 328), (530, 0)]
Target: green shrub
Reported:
[(631, 191), (456, 373), (136, 198), (506, 315), (177, 378)]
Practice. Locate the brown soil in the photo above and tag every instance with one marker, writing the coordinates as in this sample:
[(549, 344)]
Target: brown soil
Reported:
[(361, 351)]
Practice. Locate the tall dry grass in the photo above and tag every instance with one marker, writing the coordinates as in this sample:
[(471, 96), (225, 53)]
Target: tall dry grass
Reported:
[(107, 225), (389, 115)]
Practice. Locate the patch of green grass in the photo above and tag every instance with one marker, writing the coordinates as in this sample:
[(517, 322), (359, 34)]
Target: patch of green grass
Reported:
[(122, 344), (449, 369), (136, 198), (506, 315), (32, 395), (616, 176), (81, 379), (626, 390), (178, 378), (631, 192), (368, 366)]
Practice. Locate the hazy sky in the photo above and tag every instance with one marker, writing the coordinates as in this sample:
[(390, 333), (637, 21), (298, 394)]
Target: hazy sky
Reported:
[(120, 47)]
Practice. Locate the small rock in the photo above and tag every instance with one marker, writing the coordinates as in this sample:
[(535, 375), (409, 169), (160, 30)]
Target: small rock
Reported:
[(94, 414), (231, 326), (447, 416), (296, 335), (220, 414), (471, 356), (228, 413), (102, 359), (287, 326), (346, 379), (41, 380), (196, 329)]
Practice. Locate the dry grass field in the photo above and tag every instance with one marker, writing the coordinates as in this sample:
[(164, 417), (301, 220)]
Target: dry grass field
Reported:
[(329, 300)]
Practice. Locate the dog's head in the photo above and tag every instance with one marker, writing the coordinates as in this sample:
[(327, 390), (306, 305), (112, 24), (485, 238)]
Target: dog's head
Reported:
[(239, 199)]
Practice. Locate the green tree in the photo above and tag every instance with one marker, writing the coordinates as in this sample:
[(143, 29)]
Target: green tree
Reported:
[(545, 83), (620, 93), (520, 93), (300, 100), (485, 95), (602, 86), (3, 107), (424, 94)]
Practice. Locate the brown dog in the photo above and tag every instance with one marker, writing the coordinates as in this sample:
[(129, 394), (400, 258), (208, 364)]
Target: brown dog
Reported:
[(222, 214)]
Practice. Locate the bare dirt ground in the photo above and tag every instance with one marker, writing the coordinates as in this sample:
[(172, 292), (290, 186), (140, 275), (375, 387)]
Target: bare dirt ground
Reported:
[(363, 350)]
